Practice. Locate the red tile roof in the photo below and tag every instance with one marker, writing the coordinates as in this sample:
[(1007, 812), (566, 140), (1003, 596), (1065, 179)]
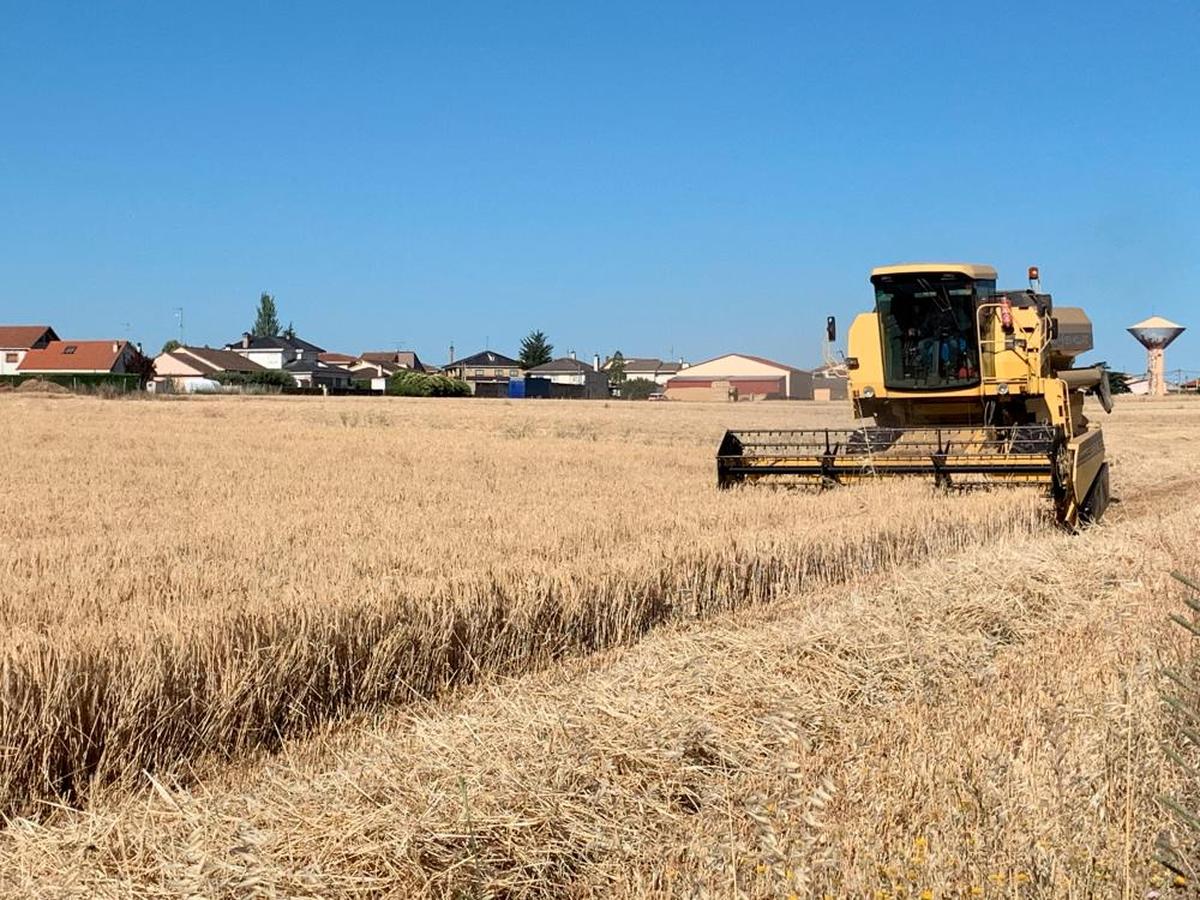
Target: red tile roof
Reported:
[(22, 337), (87, 356)]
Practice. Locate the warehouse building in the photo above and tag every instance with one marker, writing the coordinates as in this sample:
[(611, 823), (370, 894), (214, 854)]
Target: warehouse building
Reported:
[(739, 376)]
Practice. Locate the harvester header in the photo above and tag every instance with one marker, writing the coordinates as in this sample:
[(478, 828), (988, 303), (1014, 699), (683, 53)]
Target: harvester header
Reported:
[(965, 383)]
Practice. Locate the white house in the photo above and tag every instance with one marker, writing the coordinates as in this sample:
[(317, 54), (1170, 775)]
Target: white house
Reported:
[(17, 340), (569, 370), (311, 373), (648, 368), (275, 352)]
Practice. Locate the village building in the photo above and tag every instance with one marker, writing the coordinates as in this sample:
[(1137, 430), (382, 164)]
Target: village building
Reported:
[(396, 359), (739, 376), (79, 358), (275, 352), (191, 369), (374, 375), (567, 370), (487, 368), (648, 368), (17, 340), (337, 359), (312, 373)]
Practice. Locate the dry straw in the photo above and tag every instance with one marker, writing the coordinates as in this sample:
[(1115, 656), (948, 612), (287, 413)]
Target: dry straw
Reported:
[(848, 718)]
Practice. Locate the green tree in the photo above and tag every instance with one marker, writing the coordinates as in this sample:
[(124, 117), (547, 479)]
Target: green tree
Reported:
[(266, 324), (638, 389), (536, 350), (170, 345), (616, 367), (290, 332)]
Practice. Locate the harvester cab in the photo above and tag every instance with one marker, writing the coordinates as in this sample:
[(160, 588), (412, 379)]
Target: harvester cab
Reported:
[(966, 384)]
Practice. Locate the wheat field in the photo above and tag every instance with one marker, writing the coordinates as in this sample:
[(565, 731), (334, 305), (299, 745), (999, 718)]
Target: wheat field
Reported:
[(301, 647)]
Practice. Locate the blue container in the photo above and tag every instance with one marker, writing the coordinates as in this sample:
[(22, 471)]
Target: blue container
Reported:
[(516, 389)]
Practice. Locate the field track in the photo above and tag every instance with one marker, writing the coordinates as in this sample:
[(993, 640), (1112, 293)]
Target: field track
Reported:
[(981, 719)]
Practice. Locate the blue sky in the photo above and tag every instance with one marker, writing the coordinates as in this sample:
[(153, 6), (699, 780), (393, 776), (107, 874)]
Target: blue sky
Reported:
[(658, 178)]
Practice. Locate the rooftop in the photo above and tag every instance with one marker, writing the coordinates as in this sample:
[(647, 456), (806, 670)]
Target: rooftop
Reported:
[(22, 337), (218, 360), (562, 364), (487, 358), (74, 356), (272, 342)]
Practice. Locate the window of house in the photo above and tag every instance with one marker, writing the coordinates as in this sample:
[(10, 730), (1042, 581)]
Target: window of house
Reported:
[(11, 358), (513, 372), (479, 373), (69, 349)]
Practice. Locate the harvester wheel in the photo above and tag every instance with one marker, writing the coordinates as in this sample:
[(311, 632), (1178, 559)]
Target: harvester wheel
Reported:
[(1096, 501)]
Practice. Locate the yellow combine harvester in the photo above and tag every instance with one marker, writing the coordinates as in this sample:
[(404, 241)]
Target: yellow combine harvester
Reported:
[(966, 383)]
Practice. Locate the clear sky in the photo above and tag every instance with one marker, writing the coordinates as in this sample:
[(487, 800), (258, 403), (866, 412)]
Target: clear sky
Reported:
[(658, 178)]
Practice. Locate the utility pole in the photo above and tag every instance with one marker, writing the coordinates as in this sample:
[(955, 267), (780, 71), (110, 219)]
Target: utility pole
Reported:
[(179, 316)]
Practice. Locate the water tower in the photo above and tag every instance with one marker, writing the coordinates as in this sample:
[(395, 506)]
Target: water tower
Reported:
[(1155, 334)]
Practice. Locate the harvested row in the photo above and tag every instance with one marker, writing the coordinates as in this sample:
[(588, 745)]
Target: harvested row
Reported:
[(984, 724)]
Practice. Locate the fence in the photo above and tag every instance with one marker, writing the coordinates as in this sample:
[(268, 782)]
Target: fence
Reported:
[(120, 383)]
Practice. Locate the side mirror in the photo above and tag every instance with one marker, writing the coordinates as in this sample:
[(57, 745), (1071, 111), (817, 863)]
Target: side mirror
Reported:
[(830, 329), (1054, 328)]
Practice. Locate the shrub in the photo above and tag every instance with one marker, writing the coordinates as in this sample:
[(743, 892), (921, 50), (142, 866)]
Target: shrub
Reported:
[(267, 378), (419, 384), (638, 388)]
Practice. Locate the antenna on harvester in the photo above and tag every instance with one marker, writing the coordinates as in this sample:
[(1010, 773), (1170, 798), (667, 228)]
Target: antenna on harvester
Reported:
[(1156, 334)]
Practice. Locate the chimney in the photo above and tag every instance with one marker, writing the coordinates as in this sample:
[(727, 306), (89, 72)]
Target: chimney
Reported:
[(139, 347), (245, 340), (682, 364), (572, 354), (116, 346), (596, 361), (452, 353)]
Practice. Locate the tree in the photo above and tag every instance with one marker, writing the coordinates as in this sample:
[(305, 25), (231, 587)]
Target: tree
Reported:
[(267, 322), (638, 389), (616, 367), (536, 350), (290, 332), (170, 345), (140, 365)]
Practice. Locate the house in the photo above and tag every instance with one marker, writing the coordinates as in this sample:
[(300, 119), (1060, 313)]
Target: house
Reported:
[(740, 376), (79, 358), (275, 352), (830, 383), (17, 340), (484, 368), (195, 368), (312, 373), (567, 370), (373, 375), (399, 359), (648, 368), (345, 360)]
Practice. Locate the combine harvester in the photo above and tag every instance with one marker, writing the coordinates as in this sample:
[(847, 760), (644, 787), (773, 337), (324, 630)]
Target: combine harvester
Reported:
[(967, 384)]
